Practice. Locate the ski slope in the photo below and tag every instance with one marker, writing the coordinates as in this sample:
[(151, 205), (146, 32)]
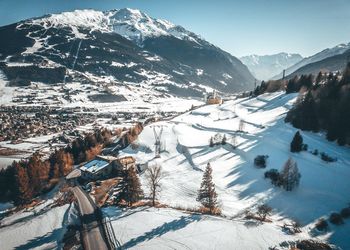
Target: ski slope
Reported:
[(324, 187)]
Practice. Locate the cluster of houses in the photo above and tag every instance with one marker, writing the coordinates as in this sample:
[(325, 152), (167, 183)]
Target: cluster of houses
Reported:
[(21, 122)]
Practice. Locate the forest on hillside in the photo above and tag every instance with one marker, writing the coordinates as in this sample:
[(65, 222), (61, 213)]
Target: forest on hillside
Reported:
[(323, 104)]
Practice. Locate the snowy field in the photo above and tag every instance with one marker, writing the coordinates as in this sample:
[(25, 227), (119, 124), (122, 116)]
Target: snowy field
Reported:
[(151, 228), (324, 187), (36, 229)]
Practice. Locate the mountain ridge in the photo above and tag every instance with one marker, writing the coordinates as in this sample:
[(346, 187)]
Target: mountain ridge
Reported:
[(264, 67), (318, 57)]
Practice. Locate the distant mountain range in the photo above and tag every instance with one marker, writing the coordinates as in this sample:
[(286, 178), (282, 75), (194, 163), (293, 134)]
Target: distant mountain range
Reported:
[(331, 59), (267, 66), (125, 45)]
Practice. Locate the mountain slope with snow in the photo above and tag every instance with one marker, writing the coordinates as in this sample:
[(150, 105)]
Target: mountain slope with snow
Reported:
[(318, 57), (267, 66), (240, 185), (126, 45)]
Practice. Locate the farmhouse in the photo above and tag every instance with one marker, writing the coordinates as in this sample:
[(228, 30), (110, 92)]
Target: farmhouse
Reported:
[(103, 166), (98, 168), (213, 98)]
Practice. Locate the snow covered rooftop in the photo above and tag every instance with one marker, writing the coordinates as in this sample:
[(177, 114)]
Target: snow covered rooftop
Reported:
[(95, 165)]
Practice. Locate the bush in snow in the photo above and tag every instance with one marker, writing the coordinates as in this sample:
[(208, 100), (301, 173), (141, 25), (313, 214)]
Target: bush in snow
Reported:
[(315, 152), (322, 225), (274, 176), (292, 228), (290, 176), (336, 219), (327, 158), (260, 161), (211, 142), (297, 143), (345, 212), (224, 139), (217, 140), (312, 245), (305, 147), (263, 211)]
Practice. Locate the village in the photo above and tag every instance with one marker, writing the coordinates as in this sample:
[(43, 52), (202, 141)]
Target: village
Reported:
[(22, 122)]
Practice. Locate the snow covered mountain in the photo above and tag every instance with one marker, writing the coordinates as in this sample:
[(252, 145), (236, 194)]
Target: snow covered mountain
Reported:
[(267, 66), (125, 45), (318, 57)]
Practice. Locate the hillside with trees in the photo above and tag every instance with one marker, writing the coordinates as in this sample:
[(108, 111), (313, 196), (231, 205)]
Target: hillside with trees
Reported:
[(24, 180), (325, 107)]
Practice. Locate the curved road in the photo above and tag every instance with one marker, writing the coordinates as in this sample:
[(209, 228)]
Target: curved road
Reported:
[(92, 233)]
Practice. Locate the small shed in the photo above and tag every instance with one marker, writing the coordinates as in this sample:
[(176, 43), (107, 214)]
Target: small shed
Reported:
[(125, 162)]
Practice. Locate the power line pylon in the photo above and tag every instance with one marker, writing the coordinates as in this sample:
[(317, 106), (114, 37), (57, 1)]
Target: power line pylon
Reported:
[(157, 137)]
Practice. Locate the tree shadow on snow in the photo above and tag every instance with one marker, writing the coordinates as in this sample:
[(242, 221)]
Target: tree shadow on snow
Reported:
[(53, 236), (174, 225)]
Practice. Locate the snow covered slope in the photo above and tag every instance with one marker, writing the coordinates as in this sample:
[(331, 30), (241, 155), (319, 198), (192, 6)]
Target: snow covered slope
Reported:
[(324, 186), (320, 56), (149, 228), (35, 229), (265, 67)]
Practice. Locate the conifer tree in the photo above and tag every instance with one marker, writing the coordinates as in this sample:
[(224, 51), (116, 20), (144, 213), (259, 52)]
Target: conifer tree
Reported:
[(23, 190), (319, 78), (224, 139), (211, 142), (207, 195), (33, 171), (132, 189), (297, 143)]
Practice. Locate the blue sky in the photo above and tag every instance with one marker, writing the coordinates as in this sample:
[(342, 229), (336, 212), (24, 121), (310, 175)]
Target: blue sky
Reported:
[(240, 27)]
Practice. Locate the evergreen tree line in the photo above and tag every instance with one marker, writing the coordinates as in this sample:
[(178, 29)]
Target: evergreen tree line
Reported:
[(325, 107), (23, 180), (293, 85), (269, 86)]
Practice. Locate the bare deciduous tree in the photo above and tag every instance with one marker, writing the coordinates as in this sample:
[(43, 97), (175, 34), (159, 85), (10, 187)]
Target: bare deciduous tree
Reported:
[(263, 211), (154, 175)]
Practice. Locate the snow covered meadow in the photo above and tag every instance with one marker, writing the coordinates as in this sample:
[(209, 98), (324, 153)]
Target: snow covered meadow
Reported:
[(42, 227), (240, 186)]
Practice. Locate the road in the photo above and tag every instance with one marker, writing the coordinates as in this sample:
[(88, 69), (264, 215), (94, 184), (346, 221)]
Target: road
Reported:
[(93, 237)]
